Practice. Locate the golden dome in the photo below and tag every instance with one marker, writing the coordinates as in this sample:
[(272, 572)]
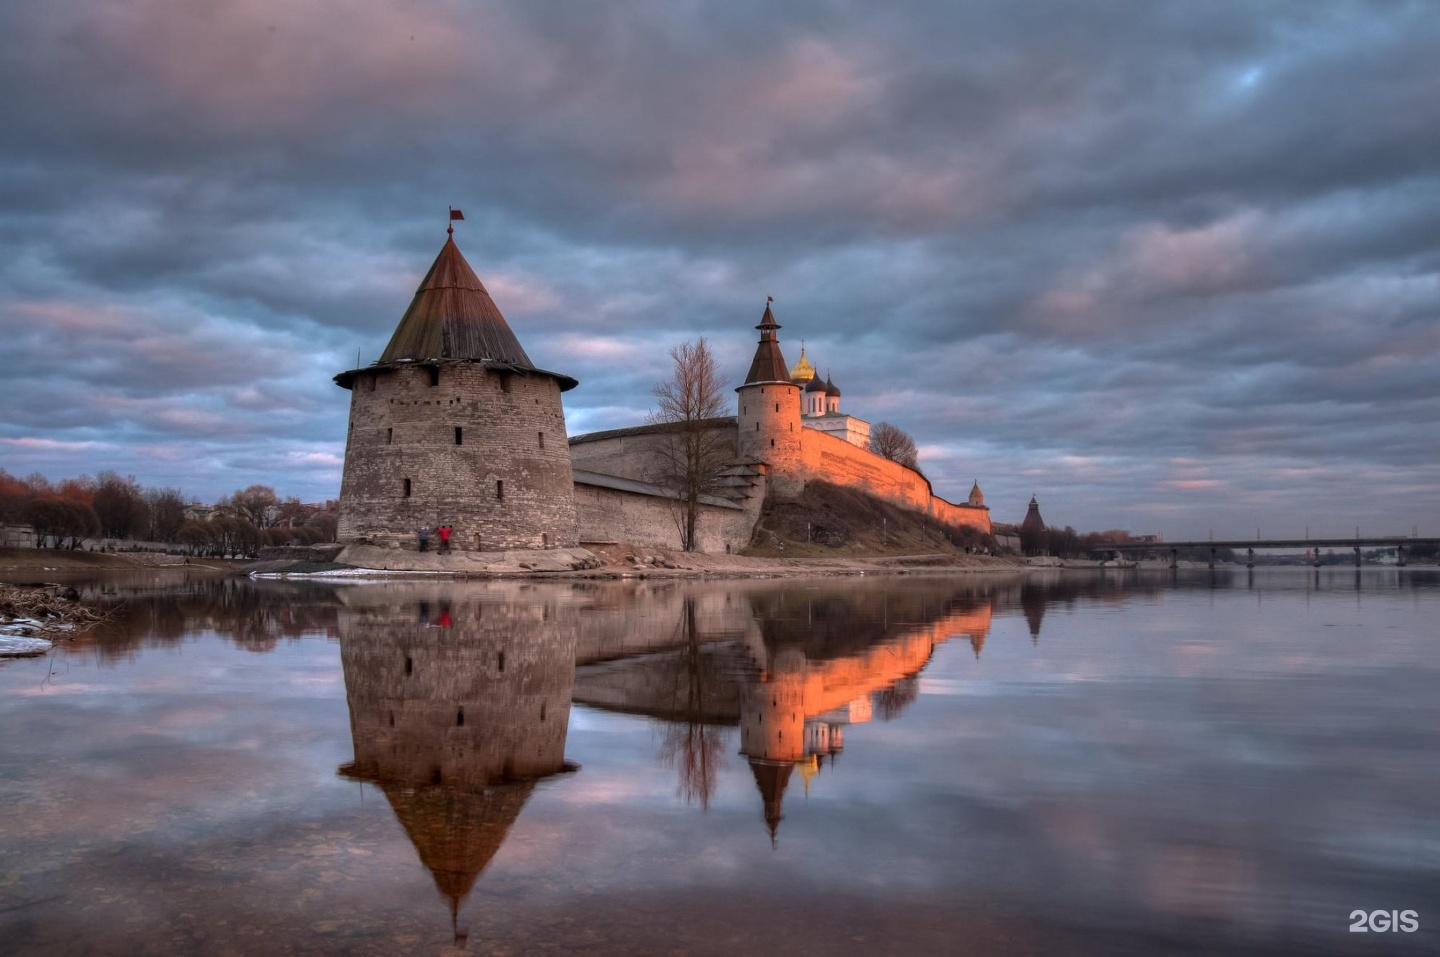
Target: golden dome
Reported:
[(803, 371)]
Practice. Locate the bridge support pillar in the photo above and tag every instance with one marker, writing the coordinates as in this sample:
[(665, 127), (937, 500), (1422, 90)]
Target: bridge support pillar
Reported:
[(1357, 556), (1400, 555), (1212, 557), (1174, 558), (1250, 558)]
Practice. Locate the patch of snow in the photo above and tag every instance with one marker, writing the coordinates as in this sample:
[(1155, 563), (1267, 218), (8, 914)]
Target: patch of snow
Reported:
[(355, 575), (12, 645)]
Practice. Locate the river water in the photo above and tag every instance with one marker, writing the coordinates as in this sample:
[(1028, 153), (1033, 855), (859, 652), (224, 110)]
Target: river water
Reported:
[(1112, 762)]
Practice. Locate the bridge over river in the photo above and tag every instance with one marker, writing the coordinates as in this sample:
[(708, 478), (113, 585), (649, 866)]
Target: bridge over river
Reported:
[(1399, 543)]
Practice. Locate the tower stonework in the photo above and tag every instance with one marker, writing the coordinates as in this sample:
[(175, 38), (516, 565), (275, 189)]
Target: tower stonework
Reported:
[(769, 415), (454, 425)]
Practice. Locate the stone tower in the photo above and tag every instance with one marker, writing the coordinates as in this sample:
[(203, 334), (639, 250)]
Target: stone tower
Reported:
[(769, 419), (454, 425)]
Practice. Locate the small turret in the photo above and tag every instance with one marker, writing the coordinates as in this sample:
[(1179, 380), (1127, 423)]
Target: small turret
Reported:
[(977, 497)]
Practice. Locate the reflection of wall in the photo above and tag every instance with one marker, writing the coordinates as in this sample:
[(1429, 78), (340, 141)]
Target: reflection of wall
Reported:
[(459, 699), (792, 665)]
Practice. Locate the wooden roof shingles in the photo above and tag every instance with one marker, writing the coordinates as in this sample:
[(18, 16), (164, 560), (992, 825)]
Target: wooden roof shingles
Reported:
[(453, 318)]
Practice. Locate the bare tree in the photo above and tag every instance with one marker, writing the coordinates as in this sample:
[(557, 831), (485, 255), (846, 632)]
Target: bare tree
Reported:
[(690, 457), (253, 504), (167, 513), (895, 444), (120, 506)]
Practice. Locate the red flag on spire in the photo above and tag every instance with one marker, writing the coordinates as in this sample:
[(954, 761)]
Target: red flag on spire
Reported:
[(455, 214)]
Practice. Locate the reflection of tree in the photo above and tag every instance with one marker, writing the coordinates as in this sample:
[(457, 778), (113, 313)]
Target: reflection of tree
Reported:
[(695, 747), (254, 615), (890, 702)]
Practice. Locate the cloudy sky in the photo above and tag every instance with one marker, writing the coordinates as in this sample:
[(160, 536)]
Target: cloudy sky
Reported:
[(1171, 267)]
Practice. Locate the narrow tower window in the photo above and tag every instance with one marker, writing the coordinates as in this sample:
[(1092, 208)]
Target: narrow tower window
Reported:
[(407, 488), (389, 436), (409, 665), (459, 435), (434, 376), (777, 406), (499, 490), (501, 661), (460, 718), (541, 437)]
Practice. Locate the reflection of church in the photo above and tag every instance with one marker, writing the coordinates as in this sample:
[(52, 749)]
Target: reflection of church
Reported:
[(456, 709)]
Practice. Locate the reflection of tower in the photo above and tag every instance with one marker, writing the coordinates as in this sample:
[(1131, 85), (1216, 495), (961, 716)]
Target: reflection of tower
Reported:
[(772, 729), (1032, 604), (454, 724)]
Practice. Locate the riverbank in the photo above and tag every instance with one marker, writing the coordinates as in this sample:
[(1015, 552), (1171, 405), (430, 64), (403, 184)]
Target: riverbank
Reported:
[(33, 617), (608, 561), (42, 564)]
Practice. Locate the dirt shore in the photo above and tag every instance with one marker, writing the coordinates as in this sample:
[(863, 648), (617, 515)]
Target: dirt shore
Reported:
[(42, 564)]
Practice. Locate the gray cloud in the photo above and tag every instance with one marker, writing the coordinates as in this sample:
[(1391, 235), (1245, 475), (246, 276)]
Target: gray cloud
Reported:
[(1066, 248)]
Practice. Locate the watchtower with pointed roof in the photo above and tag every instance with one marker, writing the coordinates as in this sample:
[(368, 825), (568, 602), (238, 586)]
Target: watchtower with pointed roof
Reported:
[(769, 414), (455, 426)]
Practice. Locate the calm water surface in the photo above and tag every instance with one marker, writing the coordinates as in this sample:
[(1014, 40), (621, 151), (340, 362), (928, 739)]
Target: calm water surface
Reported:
[(1108, 763)]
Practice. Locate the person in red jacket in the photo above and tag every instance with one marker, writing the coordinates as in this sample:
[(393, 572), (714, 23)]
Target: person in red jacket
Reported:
[(444, 531)]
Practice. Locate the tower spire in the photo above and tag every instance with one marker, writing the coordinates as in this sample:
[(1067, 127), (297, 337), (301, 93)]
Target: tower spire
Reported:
[(768, 365)]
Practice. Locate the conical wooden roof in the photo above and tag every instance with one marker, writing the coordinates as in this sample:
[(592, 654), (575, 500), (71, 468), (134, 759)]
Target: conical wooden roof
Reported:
[(453, 317), (768, 364), (456, 832)]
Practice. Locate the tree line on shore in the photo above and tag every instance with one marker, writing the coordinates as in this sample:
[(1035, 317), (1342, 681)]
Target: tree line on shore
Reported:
[(72, 512)]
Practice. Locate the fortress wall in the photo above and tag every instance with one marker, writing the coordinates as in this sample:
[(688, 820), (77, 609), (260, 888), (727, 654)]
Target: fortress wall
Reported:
[(512, 432), (836, 461), (632, 455), (612, 515)]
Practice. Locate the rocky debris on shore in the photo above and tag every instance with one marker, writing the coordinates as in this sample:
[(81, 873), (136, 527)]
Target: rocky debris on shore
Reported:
[(31, 616)]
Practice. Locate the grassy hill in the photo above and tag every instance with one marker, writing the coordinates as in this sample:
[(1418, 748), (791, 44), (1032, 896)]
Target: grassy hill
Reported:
[(831, 521)]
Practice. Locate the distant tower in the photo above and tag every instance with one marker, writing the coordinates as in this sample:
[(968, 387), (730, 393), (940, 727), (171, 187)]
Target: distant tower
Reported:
[(1032, 530), (977, 497), (1033, 521), (454, 425), (769, 419)]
